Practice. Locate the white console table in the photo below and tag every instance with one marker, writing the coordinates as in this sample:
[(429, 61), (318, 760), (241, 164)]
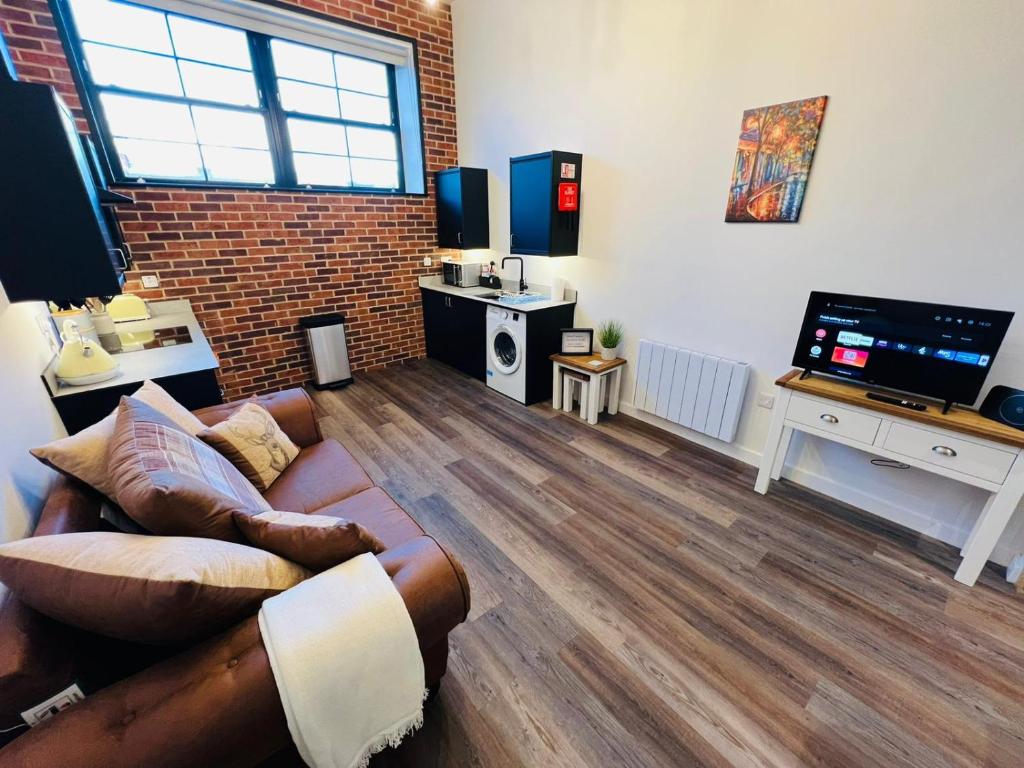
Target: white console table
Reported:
[(961, 445)]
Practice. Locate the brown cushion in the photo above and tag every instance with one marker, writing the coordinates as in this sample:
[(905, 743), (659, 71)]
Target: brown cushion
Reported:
[(317, 542), (83, 456), (173, 484), (376, 511), (322, 474), (149, 589), (252, 441)]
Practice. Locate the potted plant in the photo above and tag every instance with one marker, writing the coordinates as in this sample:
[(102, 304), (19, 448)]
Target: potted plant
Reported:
[(609, 335)]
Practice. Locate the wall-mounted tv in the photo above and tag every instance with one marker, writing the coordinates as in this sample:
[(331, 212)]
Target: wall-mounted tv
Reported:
[(935, 350)]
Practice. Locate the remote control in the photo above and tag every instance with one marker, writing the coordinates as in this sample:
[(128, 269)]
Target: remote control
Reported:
[(896, 401)]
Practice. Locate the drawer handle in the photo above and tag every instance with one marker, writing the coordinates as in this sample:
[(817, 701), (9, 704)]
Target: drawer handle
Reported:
[(943, 450), (829, 418)]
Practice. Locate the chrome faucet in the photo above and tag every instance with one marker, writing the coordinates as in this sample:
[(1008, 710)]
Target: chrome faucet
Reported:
[(522, 271)]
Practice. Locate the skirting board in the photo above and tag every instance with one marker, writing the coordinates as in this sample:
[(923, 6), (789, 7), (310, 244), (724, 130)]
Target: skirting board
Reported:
[(830, 486)]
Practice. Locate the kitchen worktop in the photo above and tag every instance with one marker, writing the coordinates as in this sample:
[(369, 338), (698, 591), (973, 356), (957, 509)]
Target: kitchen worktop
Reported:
[(436, 283), (137, 366)]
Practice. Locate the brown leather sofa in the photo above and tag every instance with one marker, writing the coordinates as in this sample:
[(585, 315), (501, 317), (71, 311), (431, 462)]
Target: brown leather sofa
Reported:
[(214, 704)]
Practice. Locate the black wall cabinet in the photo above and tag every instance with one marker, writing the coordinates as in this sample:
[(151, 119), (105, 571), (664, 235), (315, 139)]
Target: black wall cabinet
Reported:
[(537, 226), (456, 330), (462, 209)]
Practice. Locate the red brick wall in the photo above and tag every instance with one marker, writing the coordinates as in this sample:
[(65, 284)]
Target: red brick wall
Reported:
[(252, 263)]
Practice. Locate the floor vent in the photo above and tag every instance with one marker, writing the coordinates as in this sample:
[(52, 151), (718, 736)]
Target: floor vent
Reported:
[(701, 392)]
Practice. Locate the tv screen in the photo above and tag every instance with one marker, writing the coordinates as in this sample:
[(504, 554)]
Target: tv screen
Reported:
[(936, 350)]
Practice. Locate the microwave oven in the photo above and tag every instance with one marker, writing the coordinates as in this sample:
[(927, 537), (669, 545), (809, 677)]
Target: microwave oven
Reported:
[(461, 275)]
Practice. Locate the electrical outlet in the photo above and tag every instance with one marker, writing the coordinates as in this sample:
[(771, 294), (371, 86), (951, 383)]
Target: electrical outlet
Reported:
[(427, 261), (150, 281), (766, 400), (53, 705)]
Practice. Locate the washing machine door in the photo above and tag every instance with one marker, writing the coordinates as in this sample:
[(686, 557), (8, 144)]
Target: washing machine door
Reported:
[(504, 349)]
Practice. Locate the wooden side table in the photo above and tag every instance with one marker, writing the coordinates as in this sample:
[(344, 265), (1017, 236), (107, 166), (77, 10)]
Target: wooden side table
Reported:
[(961, 445), (604, 375)]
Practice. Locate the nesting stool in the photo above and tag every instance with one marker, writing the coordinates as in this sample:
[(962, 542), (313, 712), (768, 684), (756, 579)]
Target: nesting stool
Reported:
[(571, 383)]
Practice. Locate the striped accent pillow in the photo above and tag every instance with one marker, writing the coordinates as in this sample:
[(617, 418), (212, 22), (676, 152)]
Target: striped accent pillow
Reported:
[(173, 484)]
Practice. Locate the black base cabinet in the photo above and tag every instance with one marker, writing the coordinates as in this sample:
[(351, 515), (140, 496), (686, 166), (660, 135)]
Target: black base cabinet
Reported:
[(456, 331)]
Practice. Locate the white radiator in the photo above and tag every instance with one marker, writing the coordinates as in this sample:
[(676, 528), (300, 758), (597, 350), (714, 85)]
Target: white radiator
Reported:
[(701, 392)]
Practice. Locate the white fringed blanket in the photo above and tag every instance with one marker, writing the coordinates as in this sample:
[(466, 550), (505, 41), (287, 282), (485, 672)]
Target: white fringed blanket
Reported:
[(347, 663)]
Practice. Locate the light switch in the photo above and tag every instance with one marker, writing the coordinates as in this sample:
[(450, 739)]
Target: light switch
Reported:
[(150, 281)]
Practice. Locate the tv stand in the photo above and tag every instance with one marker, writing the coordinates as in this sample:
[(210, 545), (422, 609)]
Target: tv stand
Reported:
[(958, 443), (806, 374), (946, 406)]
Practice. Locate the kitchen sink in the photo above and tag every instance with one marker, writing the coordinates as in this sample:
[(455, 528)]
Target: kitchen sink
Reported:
[(512, 297)]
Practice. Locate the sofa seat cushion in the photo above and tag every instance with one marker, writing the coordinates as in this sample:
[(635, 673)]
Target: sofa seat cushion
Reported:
[(376, 511), (321, 475)]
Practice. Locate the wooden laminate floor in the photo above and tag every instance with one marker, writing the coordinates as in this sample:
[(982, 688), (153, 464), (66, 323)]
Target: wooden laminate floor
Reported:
[(636, 603)]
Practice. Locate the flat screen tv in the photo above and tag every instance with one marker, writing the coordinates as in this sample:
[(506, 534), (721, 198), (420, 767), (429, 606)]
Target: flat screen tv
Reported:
[(935, 350)]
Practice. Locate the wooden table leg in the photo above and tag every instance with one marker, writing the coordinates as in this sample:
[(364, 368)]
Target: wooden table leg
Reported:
[(991, 524), (613, 391), (780, 454), (556, 388), (771, 443), (595, 399)]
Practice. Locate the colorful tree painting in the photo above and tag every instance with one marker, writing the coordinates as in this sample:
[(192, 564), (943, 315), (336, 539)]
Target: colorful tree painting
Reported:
[(773, 160)]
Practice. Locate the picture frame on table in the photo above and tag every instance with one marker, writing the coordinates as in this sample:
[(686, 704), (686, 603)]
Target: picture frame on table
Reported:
[(577, 341)]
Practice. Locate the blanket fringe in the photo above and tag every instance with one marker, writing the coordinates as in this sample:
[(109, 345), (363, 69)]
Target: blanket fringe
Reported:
[(395, 736)]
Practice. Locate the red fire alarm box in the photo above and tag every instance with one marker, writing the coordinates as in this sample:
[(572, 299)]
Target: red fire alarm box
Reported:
[(568, 197)]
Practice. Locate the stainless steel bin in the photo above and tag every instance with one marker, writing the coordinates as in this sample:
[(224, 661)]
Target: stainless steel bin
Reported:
[(325, 335)]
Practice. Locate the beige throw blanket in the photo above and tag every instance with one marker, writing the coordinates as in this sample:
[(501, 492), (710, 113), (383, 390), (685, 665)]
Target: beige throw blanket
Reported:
[(347, 663)]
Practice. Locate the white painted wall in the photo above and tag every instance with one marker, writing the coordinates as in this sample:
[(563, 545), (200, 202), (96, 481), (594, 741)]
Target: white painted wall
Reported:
[(914, 192), (28, 417)]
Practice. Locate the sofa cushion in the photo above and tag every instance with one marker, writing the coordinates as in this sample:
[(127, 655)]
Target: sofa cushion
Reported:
[(83, 456), (317, 542), (173, 484), (251, 440), (322, 474), (149, 589), (376, 511)]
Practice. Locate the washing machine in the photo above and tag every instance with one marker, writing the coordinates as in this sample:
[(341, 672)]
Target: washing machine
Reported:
[(506, 352)]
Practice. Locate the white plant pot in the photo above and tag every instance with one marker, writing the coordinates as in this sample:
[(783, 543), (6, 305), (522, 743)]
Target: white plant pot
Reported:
[(609, 354)]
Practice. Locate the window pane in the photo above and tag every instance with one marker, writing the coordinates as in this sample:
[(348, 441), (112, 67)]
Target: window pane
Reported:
[(361, 75), (120, 24), (300, 62), (370, 142), (374, 173), (128, 69), (194, 39), (365, 109), (322, 170), (229, 164), (311, 99), (312, 136), (159, 159), (203, 81), (230, 128), (138, 118)]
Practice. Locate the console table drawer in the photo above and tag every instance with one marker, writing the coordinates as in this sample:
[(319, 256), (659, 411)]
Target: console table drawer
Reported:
[(831, 418), (943, 450)]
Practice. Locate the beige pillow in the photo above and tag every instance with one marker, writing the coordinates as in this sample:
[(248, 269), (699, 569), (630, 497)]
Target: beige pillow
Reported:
[(318, 542), (83, 456), (148, 589), (254, 443), (172, 484)]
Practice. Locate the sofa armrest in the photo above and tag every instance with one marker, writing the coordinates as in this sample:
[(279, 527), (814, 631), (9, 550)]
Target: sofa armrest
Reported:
[(433, 585), (217, 703), (292, 409)]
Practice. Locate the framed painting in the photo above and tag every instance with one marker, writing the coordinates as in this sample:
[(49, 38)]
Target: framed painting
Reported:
[(773, 161)]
